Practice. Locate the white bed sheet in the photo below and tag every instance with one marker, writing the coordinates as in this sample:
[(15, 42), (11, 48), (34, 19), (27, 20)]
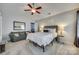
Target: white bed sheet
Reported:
[(41, 38)]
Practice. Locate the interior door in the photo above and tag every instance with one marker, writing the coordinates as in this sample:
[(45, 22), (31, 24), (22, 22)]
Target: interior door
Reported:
[(77, 30), (32, 27)]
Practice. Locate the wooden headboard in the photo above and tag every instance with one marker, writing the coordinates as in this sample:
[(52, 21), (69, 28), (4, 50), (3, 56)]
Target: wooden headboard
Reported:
[(52, 27)]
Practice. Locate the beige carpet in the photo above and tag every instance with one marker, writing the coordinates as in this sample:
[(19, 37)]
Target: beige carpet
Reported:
[(25, 48)]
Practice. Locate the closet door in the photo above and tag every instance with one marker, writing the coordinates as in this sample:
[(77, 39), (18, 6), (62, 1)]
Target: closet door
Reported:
[(77, 30)]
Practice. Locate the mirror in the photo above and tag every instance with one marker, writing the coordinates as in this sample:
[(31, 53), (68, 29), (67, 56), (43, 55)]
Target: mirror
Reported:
[(18, 25)]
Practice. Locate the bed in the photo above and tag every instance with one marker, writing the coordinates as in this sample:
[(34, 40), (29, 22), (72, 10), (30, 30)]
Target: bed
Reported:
[(42, 39)]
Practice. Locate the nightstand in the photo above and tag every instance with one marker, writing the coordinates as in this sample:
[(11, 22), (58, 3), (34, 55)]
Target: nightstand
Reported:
[(2, 48), (58, 38)]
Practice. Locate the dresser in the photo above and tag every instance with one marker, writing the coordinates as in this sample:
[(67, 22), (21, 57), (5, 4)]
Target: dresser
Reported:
[(59, 38)]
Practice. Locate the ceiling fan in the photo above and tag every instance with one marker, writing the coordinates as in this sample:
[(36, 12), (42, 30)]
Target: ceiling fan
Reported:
[(33, 9)]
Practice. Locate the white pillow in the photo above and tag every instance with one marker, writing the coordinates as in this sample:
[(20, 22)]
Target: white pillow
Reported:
[(17, 35)]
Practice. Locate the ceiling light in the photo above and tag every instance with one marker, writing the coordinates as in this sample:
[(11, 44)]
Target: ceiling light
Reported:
[(33, 9)]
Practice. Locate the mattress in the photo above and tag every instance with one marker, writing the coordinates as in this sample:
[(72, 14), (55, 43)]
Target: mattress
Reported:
[(41, 38)]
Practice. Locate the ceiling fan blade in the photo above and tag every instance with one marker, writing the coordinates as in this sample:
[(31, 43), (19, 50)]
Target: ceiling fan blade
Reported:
[(38, 12), (32, 13), (27, 10), (29, 5), (39, 8)]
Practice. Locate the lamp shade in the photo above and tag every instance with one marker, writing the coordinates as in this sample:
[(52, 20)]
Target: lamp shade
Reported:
[(41, 28), (61, 30)]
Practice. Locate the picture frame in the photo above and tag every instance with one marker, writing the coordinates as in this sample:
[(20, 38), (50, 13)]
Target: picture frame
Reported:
[(17, 25)]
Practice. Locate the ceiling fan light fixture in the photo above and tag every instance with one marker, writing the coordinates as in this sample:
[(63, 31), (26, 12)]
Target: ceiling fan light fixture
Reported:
[(33, 10)]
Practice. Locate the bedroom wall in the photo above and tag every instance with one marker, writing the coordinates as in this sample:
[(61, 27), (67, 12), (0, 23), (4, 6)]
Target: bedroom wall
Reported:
[(68, 19), (0, 27), (10, 14), (0, 24)]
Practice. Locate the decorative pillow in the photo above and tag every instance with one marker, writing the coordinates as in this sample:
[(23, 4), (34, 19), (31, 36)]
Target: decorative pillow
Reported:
[(51, 30), (17, 35), (45, 30)]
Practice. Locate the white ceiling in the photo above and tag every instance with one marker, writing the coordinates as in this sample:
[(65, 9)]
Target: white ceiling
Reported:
[(17, 9)]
